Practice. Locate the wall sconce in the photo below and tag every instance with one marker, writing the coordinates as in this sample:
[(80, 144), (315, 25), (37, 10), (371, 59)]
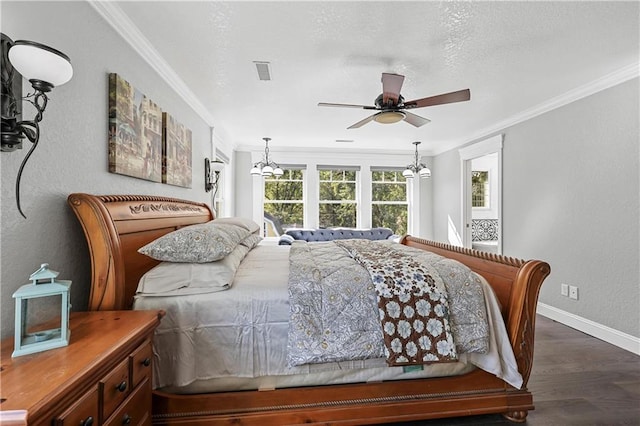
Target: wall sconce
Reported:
[(212, 171), (417, 167), (45, 68)]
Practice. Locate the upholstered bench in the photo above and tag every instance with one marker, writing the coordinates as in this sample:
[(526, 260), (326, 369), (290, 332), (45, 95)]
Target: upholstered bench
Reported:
[(330, 234)]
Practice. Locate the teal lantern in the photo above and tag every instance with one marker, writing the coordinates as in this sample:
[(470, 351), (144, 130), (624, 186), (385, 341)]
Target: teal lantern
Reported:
[(46, 332)]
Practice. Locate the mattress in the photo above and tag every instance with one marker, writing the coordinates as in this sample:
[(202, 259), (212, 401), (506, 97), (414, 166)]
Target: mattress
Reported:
[(236, 339)]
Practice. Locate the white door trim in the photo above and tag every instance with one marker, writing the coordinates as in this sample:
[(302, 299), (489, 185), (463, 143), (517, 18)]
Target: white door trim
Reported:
[(468, 153)]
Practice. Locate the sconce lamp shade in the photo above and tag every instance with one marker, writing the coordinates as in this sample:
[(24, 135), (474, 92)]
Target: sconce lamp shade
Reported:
[(38, 62), (255, 171), (278, 171), (217, 166)]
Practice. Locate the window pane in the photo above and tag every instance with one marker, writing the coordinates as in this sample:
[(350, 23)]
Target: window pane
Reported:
[(324, 174), (294, 174), (284, 216), (337, 191), (393, 216), (279, 189), (337, 215), (391, 176), (376, 176), (350, 175), (389, 191), (480, 189)]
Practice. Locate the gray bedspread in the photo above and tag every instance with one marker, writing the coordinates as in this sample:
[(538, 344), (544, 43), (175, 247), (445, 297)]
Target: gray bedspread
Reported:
[(335, 313)]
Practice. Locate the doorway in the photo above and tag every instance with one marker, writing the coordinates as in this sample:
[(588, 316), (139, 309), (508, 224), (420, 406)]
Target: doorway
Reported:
[(481, 165)]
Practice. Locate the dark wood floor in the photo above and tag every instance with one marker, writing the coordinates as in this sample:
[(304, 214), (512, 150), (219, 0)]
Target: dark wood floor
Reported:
[(576, 380)]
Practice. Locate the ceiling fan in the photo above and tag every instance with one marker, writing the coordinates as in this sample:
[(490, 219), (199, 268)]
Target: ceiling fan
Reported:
[(392, 107)]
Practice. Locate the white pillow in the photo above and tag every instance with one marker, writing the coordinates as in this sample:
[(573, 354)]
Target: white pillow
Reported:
[(173, 279)]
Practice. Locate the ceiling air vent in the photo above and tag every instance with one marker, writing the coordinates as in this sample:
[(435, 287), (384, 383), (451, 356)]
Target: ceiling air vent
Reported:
[(264, 71)]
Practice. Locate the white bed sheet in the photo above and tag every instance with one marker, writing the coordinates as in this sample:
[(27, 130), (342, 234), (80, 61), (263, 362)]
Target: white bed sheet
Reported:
[(237, 338)]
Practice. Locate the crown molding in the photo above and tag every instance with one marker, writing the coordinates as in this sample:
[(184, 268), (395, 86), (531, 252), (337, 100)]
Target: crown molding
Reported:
[(115, 17), (120, 22), (613, 79)]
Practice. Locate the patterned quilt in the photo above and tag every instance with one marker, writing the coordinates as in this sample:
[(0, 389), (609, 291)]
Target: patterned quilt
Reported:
[(359, 299)]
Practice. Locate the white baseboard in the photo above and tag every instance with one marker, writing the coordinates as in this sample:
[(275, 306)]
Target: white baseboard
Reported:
[(602, 332)]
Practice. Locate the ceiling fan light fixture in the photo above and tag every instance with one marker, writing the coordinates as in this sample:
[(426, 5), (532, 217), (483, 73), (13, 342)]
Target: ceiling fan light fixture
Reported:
[(389, 117)]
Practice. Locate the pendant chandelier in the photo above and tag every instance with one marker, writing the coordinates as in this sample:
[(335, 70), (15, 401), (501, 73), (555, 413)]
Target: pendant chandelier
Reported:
[(417, 167), (266, 167)]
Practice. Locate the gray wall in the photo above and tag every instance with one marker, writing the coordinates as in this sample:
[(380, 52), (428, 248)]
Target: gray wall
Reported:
[(571, 197), (72, 154)]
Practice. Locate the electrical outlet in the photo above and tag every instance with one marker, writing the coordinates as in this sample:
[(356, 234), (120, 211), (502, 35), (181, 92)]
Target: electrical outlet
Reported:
[(573, 292), (564, 289)]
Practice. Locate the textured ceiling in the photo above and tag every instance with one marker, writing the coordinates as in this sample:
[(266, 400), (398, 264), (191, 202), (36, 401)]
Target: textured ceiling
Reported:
[(513, 56)]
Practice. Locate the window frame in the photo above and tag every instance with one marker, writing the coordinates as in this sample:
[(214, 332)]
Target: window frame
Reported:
[(356, 191), (301, 201), (407, 201)]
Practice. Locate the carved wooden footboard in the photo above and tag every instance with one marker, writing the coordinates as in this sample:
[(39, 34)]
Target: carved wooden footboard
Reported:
[(116, 226)]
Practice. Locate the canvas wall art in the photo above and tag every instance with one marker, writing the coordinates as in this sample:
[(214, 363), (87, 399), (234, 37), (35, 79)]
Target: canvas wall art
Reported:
[(135, 132), (176, 152)]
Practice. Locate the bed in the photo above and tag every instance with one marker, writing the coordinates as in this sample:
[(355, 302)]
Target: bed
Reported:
[(116, 226)]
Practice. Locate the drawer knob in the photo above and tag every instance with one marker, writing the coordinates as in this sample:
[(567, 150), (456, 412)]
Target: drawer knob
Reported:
[(122, 386), (87, 422), (126, 419), (146, 362)]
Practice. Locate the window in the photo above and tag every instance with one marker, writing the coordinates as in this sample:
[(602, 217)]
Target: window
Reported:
[(283, 202), (337, 201), (389, 200), (480, 189)]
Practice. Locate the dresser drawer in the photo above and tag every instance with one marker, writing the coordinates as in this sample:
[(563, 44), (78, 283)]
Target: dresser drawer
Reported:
[(84, 412), (136, 409), (141, 363), (114, 388)]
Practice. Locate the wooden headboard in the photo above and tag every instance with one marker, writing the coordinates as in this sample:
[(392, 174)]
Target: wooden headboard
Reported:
[(116, 226)]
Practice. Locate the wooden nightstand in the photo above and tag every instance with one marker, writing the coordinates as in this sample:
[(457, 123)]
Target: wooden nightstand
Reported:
[(102, 378)]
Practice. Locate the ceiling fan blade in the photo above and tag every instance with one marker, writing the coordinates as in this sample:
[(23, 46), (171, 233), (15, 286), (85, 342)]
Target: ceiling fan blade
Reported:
[(445, 98), (415, 120), (361, 122), (325, 104), (391, 85)]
